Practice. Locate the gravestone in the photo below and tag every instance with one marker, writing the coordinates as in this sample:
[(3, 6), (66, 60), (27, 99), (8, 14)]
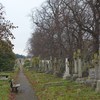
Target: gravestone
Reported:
[(50, 65), (97, 66), (55, 64), (46, 66), (79, 68), (75, 66), (55, 67), (42, 65), (75, 75), (98, 73), (92, 73), (66, 73), (91, 81), (98, 86)]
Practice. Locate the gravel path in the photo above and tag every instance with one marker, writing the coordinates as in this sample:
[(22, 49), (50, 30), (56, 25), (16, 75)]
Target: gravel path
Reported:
[(25, 90)]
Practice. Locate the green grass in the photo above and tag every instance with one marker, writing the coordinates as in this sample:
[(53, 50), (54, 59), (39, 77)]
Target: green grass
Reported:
[(5, 85), (48, 87), (4, 90)]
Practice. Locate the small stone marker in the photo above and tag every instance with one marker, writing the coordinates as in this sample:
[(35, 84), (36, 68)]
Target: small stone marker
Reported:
[(92, 74), (98, 86)]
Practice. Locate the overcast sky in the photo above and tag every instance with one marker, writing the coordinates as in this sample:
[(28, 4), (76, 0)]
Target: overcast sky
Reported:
[(17, 11)]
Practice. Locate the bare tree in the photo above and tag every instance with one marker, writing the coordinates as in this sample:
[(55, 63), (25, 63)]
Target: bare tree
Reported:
[(86, 14)]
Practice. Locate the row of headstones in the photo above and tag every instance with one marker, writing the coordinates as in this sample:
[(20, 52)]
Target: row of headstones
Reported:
[(77, 68), (93, 78), (51, 66), (56, 65), (94, 73)]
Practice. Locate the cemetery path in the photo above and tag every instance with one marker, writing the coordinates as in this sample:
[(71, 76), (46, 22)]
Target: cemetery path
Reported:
[(25, 91)]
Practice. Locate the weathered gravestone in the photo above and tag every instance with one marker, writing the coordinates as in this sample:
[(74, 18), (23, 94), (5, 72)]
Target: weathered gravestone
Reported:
[(47, 65), (78, 63), (91, 81), (92, 73), (51, 65), (66, 73), (98, 71), (42, 65), (75, 75), (75, 66), (79, 68), (98, 86), (55, 72)]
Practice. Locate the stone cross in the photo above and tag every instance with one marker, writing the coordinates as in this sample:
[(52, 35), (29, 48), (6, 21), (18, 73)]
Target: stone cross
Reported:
[(66, 73)]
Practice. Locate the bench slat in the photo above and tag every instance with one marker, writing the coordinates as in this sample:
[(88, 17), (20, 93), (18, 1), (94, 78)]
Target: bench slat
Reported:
[(16, 85)]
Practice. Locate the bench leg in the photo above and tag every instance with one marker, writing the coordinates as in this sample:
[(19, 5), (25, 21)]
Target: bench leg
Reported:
[(16, 89), (12, 89)]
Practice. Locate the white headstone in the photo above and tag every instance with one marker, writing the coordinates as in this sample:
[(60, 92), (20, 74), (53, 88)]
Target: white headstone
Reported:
[(66, 73)]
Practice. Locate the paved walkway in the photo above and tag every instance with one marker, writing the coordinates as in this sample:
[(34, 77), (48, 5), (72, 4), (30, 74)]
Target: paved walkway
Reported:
[(25, 90)]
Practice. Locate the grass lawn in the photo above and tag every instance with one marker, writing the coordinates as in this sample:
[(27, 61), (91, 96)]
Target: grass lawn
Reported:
[(4, 90), (48, 87), (5, 85)]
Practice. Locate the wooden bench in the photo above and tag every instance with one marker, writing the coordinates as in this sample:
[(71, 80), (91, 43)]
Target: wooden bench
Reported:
[(15, 87)]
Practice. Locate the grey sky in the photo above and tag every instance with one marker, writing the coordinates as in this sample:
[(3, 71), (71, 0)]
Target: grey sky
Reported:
[(17, 11)]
